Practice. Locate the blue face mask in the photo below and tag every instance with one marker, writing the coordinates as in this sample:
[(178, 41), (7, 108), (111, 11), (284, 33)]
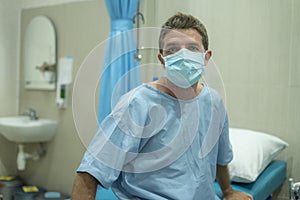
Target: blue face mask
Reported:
[(184, 68)]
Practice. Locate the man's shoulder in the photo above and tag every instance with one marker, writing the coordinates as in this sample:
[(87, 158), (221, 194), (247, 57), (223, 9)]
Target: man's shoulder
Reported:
[(138, 92), (136, 95), (212, 94)]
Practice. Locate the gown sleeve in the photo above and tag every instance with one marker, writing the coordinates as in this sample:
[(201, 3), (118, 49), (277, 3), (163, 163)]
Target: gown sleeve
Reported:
[(116, 142), (225, 154)]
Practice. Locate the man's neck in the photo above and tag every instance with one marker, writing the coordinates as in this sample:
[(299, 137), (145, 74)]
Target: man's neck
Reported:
[(169, 88)]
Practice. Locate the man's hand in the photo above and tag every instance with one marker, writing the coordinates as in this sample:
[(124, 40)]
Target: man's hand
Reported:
[(224, 182), (236, 195)]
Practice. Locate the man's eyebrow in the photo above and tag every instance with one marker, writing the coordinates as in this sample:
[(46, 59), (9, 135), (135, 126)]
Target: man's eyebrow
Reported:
[(177, 43), (194, 43), (172, 44)]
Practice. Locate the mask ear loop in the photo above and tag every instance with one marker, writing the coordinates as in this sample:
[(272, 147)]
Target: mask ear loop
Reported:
[(202, 80), (162, 59)]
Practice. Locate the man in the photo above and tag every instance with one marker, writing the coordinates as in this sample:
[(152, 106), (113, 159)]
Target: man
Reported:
[(167, 139)]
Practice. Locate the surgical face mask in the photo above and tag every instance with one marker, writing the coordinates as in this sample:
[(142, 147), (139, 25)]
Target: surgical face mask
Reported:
[(184, 68)]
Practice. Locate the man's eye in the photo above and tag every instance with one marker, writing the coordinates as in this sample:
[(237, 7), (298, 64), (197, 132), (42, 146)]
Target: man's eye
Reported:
[(172, 50), (193, 48)]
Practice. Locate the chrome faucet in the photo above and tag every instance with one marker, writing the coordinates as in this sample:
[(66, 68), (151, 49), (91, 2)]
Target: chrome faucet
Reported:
[(31, 113)]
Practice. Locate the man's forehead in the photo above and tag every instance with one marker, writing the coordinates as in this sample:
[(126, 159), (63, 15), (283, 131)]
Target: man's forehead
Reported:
[(183, 35)]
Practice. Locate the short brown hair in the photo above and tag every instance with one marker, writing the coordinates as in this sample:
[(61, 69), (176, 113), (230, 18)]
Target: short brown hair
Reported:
[(183, 21)]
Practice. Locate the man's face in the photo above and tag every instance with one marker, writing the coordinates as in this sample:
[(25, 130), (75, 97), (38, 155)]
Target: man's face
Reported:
[(182, 38)]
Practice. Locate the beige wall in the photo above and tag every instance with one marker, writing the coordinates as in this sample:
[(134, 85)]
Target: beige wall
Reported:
[(9, 62), (256, 47), (79, 28), (9, 26), (255, 44)]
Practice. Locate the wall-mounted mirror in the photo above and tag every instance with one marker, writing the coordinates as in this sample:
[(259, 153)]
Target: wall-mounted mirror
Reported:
[(40, 54)]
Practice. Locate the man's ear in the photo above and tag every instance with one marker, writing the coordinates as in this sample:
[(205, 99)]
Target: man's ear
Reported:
[(161, 60), (207, 57)]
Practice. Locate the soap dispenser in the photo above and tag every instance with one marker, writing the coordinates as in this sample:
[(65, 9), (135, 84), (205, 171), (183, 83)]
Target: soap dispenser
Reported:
[(64, 80)]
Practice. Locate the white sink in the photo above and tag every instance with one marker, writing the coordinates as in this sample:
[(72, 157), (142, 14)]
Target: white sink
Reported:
[(21, 129)]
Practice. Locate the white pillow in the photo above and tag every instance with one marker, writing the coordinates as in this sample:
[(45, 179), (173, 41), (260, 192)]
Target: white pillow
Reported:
[(252, 152)]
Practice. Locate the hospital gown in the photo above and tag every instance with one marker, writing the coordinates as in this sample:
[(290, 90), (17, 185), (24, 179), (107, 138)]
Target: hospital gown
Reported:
[(154, 146)]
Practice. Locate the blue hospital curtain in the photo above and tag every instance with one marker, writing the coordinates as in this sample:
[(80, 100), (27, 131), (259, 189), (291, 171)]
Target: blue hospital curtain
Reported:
[(120, 71)]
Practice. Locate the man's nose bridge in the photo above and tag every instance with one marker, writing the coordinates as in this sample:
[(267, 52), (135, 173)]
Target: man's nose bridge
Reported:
[(183, 46)]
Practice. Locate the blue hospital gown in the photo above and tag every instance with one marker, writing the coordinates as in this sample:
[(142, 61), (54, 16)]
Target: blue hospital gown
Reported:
[(154, 146)]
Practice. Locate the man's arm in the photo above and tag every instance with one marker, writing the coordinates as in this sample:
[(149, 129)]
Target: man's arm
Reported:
[(223, 179), (224, 182), (84, 187)]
